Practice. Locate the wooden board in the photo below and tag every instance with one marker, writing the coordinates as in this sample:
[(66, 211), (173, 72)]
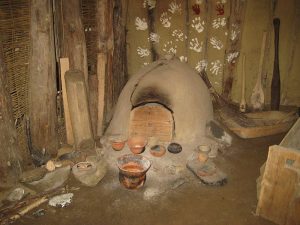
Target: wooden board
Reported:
[(64, 67), (279, 197), (291, 139), (151, 120), (101, 70), (266, 123)]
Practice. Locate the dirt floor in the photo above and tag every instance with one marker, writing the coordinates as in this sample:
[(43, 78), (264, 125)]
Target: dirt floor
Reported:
[(184, 203)]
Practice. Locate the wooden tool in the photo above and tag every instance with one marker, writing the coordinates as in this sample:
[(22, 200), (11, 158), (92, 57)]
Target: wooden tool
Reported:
[(275, 86), (243, 105), (258, 98)]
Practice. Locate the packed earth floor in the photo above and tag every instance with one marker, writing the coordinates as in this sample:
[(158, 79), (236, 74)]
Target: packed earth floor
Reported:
[(188, 202)]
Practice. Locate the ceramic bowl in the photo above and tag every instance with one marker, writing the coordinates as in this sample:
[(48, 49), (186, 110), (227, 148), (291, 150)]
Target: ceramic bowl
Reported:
[(137, 144)]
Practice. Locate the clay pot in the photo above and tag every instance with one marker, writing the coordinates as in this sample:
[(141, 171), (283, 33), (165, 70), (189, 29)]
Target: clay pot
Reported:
[(118, 146), (117, 142), (137, 144), (132, 170), (157, 150)]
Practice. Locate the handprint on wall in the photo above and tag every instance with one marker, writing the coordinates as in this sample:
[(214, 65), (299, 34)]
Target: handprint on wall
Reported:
[(201, 65), (234, 32), (231, 57), (216, 67), (219, 22), (169, 48), (150, 3), (174, 7), (198, 25), (216, 43), (154, 37), (165, 20), (220, 9), (194, 45), (141, 24), (143, 52), (196, 9), (179, 35), (183, 58)]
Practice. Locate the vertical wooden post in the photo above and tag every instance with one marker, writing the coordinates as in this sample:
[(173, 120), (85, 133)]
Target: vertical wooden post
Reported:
[(73, 45), (10, 167), (42, 78), (111, 43)]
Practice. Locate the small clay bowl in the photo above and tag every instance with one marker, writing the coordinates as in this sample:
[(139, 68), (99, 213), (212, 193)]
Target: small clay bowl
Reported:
[(117, 142), (174, 148), (137, 144), (157, 150)]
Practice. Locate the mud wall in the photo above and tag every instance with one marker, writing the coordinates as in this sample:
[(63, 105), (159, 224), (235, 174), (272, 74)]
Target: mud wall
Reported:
[(212, 35)]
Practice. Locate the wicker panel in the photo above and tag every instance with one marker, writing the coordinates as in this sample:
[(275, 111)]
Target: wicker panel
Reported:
[(14, 35), (88, 12)]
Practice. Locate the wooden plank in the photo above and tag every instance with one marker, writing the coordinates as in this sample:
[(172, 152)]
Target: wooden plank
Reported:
[(64, 67), (101, 70), (279, 196), (151, 121), (79, 110), (291, 139)]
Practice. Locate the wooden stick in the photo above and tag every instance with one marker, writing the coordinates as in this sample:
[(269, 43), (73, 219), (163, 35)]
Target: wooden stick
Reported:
[(243, 100), (64, 67)]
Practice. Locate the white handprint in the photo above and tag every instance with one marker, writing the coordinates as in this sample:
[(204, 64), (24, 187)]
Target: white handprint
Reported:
[(178, 34), (194, 45), (198, 25), (141, 24), (154, 37), (143, 52), (174, 7), (165, 19), (219, 22), (183, 58), (216, 43), (216, 67), (232, 56), (201, 65), (150, 3), (169, 48)]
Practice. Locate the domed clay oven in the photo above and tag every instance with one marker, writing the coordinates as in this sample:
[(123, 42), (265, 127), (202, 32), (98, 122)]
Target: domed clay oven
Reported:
[(166, 99)]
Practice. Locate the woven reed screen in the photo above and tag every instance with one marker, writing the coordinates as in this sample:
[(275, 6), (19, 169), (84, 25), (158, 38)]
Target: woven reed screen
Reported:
[(14, 35), (88, 12)]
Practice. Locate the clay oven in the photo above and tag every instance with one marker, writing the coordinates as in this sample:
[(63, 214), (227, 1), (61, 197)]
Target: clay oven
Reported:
[(166, 99)]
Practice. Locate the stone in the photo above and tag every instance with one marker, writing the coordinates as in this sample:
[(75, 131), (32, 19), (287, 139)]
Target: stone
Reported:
[(93, 174), (52, 179)]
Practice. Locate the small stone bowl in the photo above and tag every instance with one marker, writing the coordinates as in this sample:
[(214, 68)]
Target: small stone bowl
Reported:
[(137, 144)]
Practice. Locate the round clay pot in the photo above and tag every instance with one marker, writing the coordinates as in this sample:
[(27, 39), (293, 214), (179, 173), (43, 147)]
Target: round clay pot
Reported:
[(118, 146), (117, 142), (157, 150), (137, 144)]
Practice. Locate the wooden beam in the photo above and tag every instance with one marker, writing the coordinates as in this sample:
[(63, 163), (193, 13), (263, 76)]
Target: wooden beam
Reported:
[(42, 78), (73, 45)]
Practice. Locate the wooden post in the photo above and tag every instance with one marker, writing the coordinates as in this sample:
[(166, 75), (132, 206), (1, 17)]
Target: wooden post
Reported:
[(10, 167), (111, 43), (42, 78), (73, 45)]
